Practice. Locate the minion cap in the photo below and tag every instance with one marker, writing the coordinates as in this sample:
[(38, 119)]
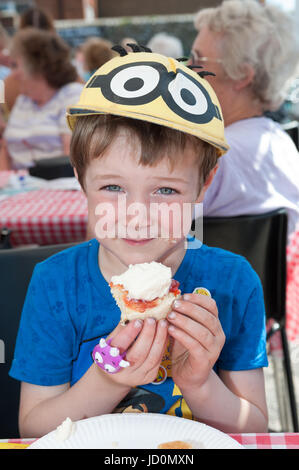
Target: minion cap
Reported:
[(153, 88)]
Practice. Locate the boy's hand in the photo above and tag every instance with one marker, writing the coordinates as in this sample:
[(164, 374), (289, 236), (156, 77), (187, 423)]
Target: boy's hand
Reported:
[(197, 339), (144, 343)]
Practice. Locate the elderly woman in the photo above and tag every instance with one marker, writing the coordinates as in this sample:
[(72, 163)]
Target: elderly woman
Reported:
[(37, 126), (253, 52)]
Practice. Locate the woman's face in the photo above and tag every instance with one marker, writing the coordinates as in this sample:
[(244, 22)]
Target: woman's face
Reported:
[(24, 77), (207, 44)]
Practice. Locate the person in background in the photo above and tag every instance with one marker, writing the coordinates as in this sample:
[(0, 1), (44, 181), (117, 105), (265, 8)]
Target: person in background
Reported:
[(31, 18), (163, 43), (36, 127), (77, 60), (253, 51), (4, 53), (5, 71), (125, 41), (95, 52), (35, 17)]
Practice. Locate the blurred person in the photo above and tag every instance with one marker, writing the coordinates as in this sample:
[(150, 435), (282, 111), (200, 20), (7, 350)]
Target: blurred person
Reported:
[(36, 18), (5, 71), (36, 127), (78, 61), (95, 52), (127, 40), (163, 43), (31, 18), (253, 51), (4, 53)]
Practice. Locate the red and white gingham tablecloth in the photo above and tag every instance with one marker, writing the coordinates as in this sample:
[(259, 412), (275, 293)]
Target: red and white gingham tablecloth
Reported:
[(292, 294), (44, 217), (248, 441), (268, 440)]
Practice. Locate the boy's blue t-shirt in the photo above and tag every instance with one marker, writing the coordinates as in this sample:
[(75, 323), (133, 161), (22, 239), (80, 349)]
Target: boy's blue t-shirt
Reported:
[(69, 306)]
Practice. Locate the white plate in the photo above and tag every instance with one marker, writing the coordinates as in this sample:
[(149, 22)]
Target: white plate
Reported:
[(136, 431)]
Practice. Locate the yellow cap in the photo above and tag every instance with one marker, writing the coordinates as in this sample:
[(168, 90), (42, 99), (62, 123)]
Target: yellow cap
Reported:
[(154, 88)]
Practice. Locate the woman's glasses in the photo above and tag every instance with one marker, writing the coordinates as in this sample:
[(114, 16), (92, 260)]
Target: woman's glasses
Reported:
[(196, 59)]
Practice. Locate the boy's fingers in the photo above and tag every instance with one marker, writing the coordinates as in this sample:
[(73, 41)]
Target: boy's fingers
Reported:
[(124, 336), (196, 313), (188, 342), (203, 301), (138, 352)]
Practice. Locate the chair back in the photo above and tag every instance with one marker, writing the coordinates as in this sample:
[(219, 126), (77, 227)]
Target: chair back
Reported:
[(261, 239), (292, 128), (51, 168), (16, 267)]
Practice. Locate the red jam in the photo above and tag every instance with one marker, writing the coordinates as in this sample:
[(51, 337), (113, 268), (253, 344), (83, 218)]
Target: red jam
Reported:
[(174, 288), (142, 305)]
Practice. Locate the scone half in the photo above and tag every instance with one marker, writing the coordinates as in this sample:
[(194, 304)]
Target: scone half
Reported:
[(132, 309)]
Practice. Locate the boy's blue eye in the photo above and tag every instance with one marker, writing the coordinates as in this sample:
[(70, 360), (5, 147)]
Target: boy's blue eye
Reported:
[(166, 191), (112, 187)]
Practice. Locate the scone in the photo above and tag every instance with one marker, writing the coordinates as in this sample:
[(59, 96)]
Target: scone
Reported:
[(175, 445), (187, 444), (144, 290)]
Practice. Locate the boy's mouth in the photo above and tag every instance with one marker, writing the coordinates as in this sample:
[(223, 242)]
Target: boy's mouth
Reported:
[(138, 241)]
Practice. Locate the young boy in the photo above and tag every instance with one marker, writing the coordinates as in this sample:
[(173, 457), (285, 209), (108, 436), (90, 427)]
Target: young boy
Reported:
[(146, 130)]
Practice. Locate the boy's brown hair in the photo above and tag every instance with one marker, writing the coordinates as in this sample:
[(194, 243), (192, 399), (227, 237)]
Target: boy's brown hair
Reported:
[(92, 135)]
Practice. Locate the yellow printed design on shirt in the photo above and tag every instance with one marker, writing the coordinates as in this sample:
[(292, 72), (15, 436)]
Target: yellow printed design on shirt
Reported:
[(166, 360), (180, 407)]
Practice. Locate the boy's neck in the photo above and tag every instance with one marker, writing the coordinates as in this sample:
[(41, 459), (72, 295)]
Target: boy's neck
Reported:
[(109, 265)]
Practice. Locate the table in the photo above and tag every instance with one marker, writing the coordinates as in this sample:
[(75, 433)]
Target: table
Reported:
[(249, 441), (44, 217)]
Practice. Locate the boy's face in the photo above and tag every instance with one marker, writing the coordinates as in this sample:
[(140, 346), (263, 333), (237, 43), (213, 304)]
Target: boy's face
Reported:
[(140, 213)]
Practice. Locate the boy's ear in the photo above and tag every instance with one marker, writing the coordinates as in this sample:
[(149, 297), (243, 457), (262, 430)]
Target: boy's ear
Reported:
[(210, 178), (207, 183)]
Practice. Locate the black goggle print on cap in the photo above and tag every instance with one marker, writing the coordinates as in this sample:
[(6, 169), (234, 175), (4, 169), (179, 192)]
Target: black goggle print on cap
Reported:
[(140, 83)]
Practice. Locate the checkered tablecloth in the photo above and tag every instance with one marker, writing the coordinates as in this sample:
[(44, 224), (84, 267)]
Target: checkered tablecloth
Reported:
[(44, 217), (248, 441), (268, 440), (292, 294)]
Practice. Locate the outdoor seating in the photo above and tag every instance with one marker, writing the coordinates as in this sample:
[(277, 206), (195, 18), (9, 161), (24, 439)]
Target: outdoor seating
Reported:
[(261, 239)]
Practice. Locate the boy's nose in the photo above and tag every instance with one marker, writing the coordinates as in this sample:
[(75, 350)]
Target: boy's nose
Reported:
[(134, 217), (140, 213)]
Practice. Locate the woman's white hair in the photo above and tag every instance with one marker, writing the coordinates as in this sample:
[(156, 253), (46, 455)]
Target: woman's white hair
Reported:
[(262, 36), (163, 43)]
